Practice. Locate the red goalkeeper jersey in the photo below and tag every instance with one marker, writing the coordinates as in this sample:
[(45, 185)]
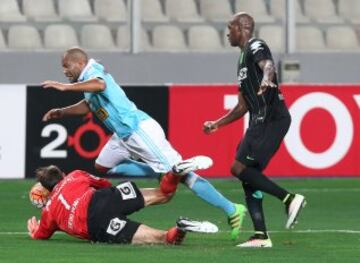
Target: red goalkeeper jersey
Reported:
[(67, 207)]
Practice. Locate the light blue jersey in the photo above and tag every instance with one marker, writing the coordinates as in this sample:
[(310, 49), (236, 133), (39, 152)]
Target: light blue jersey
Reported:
[(119, 114)]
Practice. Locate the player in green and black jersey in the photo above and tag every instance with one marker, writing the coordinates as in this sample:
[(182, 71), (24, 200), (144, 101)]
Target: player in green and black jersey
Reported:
[(269, 122)]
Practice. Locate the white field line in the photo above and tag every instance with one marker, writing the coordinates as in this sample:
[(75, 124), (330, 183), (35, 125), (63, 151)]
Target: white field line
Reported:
[(299, 190), (306, 231)]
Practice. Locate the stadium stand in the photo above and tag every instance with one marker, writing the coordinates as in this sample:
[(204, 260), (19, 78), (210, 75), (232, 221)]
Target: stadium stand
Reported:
[(40, 10), (309, 38), (168, 37), (215, 10), (24, 37), (10, 11), (78, 10), (184, 10), (277, 9), (350, 9), (110, 10), (151, 11), (2, 41), (255, 7), (204, 37), (66, 21), (341, 37), (322, 11), (273, 35), (60, 36), (123, 41), (97, 37)]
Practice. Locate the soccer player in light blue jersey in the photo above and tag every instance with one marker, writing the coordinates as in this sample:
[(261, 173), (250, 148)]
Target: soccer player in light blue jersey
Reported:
[(135, 134)]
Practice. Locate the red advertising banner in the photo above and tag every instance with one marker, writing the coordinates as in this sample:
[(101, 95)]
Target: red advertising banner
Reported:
[(323, 139)]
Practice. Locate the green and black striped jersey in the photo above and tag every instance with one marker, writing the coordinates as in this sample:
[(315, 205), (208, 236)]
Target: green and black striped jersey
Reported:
[(250, 76)]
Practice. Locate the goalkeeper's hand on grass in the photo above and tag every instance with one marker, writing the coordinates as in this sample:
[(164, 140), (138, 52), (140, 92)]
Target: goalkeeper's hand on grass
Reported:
[(33, 226)]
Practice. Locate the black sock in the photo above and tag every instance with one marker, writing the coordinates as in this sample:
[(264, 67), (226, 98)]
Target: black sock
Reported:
[(259, 181), (255, 208)]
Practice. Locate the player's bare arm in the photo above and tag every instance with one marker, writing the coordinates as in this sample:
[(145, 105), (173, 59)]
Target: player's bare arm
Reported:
[(268, 68), (80, 108), (236, 113), (91, 85)]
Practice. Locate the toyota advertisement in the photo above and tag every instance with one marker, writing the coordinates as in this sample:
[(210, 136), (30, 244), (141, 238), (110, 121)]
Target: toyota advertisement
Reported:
[(323, 139)]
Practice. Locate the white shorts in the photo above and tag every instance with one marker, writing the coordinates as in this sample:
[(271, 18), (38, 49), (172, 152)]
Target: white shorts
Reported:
[(147, 143)]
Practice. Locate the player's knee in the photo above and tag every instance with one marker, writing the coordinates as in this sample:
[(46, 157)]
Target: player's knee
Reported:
[(101, 169), (236, 170)]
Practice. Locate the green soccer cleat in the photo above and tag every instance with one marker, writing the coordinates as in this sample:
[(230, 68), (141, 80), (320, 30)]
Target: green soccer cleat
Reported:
[(236, 220)]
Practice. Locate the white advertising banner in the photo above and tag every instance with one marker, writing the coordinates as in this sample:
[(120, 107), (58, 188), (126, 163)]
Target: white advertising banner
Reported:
[(12, 131)]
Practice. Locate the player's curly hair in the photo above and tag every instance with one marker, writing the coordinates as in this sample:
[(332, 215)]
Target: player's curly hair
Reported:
[(49, 176)]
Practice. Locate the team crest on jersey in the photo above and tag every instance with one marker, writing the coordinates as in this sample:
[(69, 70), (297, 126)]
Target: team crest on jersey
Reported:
[(102, 114), (115, 226), (242, 75), (256, 46)]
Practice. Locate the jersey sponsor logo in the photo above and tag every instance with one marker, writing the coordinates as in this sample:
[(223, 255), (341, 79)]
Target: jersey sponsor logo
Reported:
[(256, 46), (242, 75), (248, 157), (127, 191), (102, 114), (115, 226)]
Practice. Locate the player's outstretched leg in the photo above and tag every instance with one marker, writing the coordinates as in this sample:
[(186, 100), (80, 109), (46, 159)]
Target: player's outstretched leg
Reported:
[(294, 204), (203, 189)]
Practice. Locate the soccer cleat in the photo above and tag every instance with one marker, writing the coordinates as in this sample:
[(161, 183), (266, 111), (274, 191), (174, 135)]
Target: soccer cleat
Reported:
[(256, 241), (236, 220), (175, 236), (293, 210), (196, 163), (189, 225)]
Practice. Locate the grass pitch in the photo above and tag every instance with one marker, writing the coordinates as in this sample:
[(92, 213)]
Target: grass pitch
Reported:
[(328, 229)]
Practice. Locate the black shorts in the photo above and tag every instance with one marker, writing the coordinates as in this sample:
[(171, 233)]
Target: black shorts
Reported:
[(108, 210), (261, 141)]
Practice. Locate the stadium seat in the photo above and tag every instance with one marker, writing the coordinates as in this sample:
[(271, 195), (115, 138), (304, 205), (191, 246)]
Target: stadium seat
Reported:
[(123, 39), (309, 38), (10, 12), (256, 8), (24, 37), (40, 10), (78, 10), (322, 11), (96, 37), (2, 41), (151, 11), (204, 37), (168, 37), (110, 10), (273, 36), (216, 10), (184, 10), (60, 36), (350, 9), (341, 37), (278, 7)]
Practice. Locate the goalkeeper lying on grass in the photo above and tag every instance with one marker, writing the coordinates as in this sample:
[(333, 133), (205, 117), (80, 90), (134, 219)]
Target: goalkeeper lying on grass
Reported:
[(91, 208)]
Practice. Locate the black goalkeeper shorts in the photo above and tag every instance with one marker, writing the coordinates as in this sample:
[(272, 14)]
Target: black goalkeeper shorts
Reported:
[(108, 210)]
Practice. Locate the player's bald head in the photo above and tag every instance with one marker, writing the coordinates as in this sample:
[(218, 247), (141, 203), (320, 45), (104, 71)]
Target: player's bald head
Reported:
[(244, 21), (75, 55)]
